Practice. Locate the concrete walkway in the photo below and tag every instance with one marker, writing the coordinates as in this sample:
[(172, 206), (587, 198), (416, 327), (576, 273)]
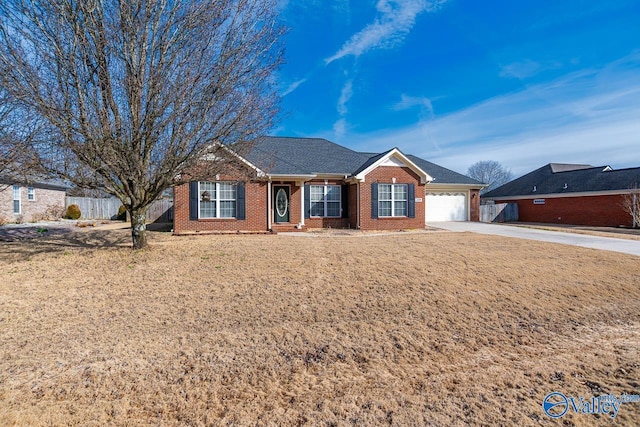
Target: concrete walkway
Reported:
[(587, 241)]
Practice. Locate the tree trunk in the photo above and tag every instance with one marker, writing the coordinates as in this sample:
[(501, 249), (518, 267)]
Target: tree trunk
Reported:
[(139, 228)]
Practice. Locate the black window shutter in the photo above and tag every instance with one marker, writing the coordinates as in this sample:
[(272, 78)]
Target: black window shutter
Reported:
[(374, 200), (345, 200), (241, 211), (411, 196), (193, 200), (307, 201)]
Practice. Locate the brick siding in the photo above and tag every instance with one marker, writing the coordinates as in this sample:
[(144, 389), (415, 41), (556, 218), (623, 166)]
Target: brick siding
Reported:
[(330, 222), (29, 209), (598, 211), (256, 206), (474, 205), (385, 175)]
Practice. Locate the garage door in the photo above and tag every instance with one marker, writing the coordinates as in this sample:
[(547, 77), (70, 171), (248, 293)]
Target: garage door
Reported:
[(446, 207)]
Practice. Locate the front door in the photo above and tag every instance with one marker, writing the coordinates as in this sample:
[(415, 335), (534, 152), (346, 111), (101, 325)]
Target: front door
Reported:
[(281, 203)]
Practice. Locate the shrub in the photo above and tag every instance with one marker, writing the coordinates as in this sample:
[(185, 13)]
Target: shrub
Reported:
[(3, 221), (73, 212), (52, 213), (122, 213)]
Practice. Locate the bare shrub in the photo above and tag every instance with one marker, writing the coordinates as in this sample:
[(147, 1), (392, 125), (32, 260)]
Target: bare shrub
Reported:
[(631, 205), (3, 221), (51, 213)]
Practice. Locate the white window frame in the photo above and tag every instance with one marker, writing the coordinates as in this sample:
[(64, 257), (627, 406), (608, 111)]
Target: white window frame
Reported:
[(219, 199), (394, 201), (31, 194), (16, 198), (324, 201)]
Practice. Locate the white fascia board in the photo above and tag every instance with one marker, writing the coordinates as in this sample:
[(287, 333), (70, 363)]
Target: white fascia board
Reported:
[(562, 195), (291, 177), (449, 187), (424, 177), (343, 176)]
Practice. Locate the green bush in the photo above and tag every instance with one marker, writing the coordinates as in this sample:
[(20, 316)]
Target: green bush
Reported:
[(122, 213), (73, 212)]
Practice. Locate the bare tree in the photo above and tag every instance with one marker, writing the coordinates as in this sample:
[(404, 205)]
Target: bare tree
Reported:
[(129, 96), (491, 173), (17, 163), (631, 205)]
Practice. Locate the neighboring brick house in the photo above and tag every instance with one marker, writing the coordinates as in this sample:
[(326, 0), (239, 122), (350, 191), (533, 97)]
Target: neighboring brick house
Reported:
[(571, 194), (301, 183), (30, 201)]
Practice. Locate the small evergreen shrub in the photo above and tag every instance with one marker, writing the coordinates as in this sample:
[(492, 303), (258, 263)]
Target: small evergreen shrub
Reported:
[(73, 212), (122, 213)]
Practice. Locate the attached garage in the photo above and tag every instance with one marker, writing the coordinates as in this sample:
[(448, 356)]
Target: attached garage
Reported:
[(446, 206)]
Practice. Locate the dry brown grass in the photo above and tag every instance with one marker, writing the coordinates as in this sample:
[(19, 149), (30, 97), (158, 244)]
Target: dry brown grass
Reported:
[(405, 329)]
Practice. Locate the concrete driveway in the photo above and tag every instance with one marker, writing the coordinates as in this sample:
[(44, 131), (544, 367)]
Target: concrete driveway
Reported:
[(587, 241)]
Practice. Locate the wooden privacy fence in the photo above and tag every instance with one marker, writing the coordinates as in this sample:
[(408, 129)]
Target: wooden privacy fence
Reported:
[(107, 208), (501, 212)]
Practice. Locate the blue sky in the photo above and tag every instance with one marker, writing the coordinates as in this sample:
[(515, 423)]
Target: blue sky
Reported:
[(521, 82)]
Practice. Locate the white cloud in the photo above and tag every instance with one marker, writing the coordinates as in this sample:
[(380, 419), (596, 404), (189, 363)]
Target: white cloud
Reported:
[(345, 96), (423, 104), (395, 20), (340, 127), (527, 68), (586, 117), (293, 86)]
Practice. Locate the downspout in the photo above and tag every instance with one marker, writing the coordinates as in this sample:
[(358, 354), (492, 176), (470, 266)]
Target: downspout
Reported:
[(269, 205), (301, 224), (358, 206)]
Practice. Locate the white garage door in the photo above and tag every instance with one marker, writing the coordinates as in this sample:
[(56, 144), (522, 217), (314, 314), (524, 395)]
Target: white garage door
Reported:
[(446, 207)]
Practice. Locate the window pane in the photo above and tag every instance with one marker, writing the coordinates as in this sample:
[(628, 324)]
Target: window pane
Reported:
[(31, 193), (384, 191), (400, 208), (207, 191), (16, 192), (316, 193), (333, 192), (333, 208), (207, 209), (227, 191), (16, 206), (384, 208), (228, 209), (317, 209), (400, 192)]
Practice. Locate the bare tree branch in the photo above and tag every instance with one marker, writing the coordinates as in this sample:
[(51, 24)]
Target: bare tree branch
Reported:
[(631, 205), (491, 173), (128, 96)]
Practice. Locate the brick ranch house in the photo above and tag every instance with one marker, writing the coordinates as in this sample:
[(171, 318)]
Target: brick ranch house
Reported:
[(28, 201), (571, 194), (302, 183)]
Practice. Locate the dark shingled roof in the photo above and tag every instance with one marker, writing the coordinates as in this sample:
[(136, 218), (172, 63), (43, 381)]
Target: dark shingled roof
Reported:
[(443, 175), (309, 156), (557, 178), (303, 156)]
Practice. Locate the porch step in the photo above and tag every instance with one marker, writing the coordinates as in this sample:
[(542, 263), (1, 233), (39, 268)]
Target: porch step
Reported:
[(287, 228)]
